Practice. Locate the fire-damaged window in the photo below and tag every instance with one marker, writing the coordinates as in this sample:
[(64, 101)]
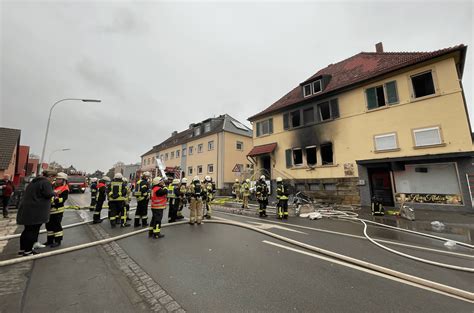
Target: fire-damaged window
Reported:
[(329, 110), (286, 121), (295, 118), (311, 158), (297, 156), (326, 154), (423, 85), (382, 95)]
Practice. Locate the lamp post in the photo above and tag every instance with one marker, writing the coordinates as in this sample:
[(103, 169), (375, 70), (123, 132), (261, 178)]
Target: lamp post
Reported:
[(54, 151), (49, 121)]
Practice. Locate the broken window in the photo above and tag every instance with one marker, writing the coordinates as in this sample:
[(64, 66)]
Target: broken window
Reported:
[(308, 115), (423, 84), (297, 156), (311, 158), (325, 111), (295, 118), (326, 154)]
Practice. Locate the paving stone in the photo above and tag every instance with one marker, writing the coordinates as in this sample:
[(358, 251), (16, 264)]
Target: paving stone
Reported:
[(172, 306), (166, 299), (159, 293)]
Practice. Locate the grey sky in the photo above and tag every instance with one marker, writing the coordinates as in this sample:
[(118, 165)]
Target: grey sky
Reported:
[(159, 66)]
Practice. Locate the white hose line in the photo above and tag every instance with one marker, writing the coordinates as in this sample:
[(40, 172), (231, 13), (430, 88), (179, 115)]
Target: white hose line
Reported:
[(465, 295), (79, 247), (420, 281), (64, 227), (411, 231), (453, 267)]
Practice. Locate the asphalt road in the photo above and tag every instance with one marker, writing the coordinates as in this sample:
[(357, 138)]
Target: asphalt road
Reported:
[(223, 268)]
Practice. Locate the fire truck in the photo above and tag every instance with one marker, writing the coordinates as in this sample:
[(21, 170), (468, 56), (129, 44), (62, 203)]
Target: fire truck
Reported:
[(77, 183)]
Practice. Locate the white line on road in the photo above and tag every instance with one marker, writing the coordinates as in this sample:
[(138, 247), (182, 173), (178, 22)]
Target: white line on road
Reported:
[(362, 269), (270, 226), (356, 236)]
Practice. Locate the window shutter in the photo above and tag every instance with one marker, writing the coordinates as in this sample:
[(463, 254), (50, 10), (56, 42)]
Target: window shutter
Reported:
[(286, 122), (288, 156), (270, 126), (334, 108), (371, 98), (258, 129), (391, 90)]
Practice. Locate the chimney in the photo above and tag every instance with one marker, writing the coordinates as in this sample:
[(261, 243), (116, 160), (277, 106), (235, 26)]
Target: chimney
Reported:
[(174, 133), (379, 47)]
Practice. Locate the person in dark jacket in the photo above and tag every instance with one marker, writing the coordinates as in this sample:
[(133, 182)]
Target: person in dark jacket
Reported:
[(7, 190), (34, 210)]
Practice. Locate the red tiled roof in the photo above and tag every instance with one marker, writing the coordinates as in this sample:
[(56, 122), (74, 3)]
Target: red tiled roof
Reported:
[(263, 149), (358, 68)]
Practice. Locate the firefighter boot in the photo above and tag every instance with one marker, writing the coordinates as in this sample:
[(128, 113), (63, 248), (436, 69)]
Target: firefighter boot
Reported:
[(136, 222), (144, 222)]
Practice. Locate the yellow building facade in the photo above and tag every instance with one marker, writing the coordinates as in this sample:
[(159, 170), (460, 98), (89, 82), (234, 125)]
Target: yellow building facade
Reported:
[(213, 147), (388, 125)]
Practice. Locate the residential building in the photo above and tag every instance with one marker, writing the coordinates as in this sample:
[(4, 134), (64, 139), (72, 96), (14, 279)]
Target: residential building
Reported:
[(216, 147), (130, 171), (9, 151), (391, 125)]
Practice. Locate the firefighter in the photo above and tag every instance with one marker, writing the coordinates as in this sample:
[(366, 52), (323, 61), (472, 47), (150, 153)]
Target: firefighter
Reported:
[(173, 200), (142, 193), (128, 198), (53, 226), (196, 193), (101, 196), (262, 196), (209, 189), (377, 207), (236, 190), (117, 193), (93, 194), (158, 205), (282, 196), (182, 197), (245, 191)]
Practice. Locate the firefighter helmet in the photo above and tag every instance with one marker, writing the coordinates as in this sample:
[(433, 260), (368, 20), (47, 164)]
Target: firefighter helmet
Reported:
[(146, 174), (196, 178), (279, 179), (262, 177), (175, 181), (236, 180), (207, 178), (61, 175), (247, 180), (118, 176), (157, 180), (106, 178), (184, 180), (125, 179), (93, 179)]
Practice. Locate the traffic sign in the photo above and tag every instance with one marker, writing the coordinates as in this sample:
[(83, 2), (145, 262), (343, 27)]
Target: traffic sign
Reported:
[(237, 168)]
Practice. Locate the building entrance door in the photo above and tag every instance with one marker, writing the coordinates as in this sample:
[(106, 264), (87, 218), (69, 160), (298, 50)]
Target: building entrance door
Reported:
[(381, 185), (266, 165)]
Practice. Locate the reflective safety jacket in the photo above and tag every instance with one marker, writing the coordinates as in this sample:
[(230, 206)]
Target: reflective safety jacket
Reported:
[(245, 190), (261, 190), (57, 202), (117, 191), (209, 189), (93, 189), (236, 188), (158, 197), (101, 191), (282, 192), (183, 189), (173, 191), (142, 190)]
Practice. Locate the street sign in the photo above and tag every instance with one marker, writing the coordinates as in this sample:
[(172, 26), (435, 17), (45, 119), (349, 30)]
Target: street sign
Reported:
[(237, 168)]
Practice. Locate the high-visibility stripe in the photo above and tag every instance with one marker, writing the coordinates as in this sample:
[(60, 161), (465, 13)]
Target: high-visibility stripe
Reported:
[(59, 234)]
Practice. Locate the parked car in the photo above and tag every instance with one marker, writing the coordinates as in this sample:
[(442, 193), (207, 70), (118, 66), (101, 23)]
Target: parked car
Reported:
[(77, 183)]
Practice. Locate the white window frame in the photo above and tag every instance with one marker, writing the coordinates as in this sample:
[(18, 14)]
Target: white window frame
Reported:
[(207, 127), (199, 169), (197, 131), (177, 153), (200, 148), (419, 130), (320, 86), (394, 135), (190, 170), (210, 145), (310, 92), (241, 145), (208, 171)]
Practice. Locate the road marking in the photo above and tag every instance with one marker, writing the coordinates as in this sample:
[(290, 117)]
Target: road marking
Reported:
[(362, 269), (271, 226), (356, 236)]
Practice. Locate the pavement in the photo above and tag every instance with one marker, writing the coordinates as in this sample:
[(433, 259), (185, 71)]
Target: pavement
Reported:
[(224, 268)]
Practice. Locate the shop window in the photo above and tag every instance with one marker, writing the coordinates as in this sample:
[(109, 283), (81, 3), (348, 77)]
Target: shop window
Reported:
[(308, 115), (423, 84), (199, 169), (297, 156), (311, 158), (427, 136), (327, 154), (386, 142), (295, 118)]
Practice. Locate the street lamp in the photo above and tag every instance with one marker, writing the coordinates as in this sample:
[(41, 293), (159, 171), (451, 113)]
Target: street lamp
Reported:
[(57, 150), (49, 120)]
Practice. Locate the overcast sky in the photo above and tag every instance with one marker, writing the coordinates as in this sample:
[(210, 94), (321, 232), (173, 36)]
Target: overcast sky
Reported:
[(159, 66)]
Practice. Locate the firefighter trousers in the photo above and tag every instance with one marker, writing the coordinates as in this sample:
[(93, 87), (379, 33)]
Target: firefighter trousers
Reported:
[(54, 229), (245, 201), (93, 200), (195, 209), (173, 209), (155, 224), (141, 213), (262, 211), (98, 209), (117, 212), (283, 208), (208, 207)]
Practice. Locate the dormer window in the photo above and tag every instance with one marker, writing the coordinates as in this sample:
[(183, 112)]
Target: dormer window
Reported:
[(307, 90), (207, 127), (317, 88), (197, 131)]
